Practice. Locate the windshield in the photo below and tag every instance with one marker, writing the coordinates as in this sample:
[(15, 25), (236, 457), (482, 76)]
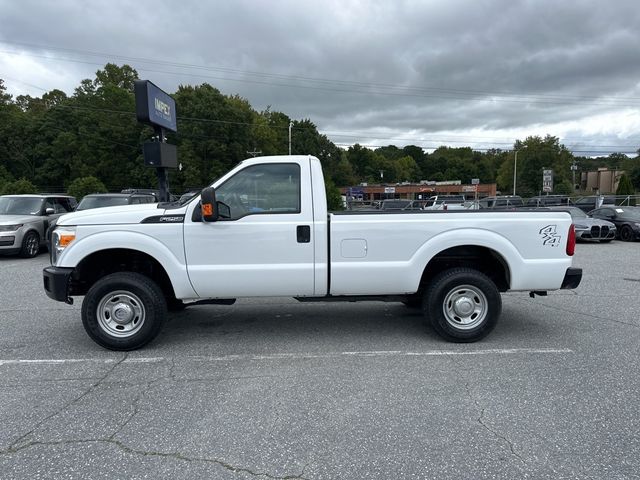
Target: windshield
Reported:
[(20, 205), (576, 213), (99, 202)]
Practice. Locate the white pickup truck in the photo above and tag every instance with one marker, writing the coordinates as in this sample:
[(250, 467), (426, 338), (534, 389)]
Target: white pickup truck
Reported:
[(263, 230)]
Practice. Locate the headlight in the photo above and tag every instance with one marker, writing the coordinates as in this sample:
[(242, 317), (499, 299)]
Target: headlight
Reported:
[(10, 228), (61, 238)]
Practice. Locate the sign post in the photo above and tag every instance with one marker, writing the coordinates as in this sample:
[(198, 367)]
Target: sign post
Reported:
[(155, 107)]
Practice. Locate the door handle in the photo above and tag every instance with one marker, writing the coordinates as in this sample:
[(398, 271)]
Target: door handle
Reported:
[(303, 233)]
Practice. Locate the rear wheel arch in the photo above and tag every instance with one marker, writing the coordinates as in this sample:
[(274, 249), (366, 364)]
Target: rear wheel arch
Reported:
[(483, 259)]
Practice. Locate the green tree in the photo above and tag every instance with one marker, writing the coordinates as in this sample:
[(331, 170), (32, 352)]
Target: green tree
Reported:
[(334, 199), (18, 187), (625, 188), (85, 185)]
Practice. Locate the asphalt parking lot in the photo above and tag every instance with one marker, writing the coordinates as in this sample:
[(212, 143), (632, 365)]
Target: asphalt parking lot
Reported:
[(279, 389)]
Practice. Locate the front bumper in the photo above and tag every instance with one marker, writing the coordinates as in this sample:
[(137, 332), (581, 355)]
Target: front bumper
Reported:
[(572, 278), (56, 283)]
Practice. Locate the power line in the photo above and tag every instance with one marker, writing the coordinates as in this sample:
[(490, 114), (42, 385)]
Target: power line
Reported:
[(358, 87)]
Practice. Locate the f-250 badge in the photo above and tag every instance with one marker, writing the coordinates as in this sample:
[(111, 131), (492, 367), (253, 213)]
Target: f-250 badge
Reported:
[(549, 236)]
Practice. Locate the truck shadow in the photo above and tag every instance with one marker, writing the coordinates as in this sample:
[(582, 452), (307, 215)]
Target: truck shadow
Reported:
[(368, 325)]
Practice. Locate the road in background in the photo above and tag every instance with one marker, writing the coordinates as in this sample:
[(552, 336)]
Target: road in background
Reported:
[(279, 389)]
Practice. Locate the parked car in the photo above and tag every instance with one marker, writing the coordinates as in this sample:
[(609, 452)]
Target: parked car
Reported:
[(501, 202), (548, 201), (587, 228), (98, 200), (586, 204), (395, 204), (148, 191), (24, 219), (626, 219), (446, 202)]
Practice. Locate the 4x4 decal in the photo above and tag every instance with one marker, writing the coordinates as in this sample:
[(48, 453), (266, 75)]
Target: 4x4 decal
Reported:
[(549, 236)]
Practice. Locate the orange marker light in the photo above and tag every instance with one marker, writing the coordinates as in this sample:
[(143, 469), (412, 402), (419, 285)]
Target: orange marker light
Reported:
[(207, 209), (65, 240)]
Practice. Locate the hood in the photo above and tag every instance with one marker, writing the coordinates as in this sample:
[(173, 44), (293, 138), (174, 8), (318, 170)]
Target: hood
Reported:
[(119, 215), (14, 219), (590, 222)]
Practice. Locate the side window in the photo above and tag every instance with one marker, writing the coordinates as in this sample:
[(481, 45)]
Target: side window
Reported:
[(135, 200), (62, 205), (49, 203), (271, 188)]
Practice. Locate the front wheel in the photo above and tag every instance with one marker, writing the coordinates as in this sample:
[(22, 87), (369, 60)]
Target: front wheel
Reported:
[(124, 311), (462, 305), (30, 245), (626, 234)]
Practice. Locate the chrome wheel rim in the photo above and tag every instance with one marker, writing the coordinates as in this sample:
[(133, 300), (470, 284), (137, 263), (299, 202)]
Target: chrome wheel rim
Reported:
[(465, 307), (121, 314)]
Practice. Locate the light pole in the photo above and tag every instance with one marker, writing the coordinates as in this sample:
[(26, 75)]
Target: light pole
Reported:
[(515, 167), (290, 125)]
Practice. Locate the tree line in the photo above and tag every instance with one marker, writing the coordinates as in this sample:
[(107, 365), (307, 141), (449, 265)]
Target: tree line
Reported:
[(90, 141)]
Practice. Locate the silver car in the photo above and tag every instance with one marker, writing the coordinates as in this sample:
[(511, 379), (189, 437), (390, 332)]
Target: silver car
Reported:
[(24, 220), (587, 228)]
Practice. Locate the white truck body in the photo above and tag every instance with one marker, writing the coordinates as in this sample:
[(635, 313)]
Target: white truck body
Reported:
[(306, 252)]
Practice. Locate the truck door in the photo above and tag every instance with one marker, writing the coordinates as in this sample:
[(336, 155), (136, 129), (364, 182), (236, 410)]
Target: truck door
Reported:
[(266, 246)]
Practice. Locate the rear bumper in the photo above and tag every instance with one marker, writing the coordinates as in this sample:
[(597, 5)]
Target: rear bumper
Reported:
[(56, 283), (572, 278)]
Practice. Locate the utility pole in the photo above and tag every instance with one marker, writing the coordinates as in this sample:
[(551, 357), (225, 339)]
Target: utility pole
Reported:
[(574, 167), (255, 152)]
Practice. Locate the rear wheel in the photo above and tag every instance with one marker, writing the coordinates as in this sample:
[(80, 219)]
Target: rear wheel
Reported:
[(462, 305), (124, 311), (626, 233), (30, 245)]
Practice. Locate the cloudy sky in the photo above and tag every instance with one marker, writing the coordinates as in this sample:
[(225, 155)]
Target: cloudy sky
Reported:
[(460, 73)]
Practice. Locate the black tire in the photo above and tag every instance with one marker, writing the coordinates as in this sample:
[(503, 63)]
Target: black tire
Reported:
[(626, 233), (136, 299), (463, 305), (30, 245)]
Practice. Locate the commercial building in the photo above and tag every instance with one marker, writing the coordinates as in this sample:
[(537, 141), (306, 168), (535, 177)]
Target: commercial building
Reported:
[(416, 191)]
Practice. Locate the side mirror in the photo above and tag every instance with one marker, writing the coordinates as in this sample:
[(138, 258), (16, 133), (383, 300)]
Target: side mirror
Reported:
[(208, 205), (49, 211)]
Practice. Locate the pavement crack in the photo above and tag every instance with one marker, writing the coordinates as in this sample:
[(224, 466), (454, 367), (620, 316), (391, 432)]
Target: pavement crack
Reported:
[(68, 404), (481, 421), (152, 453)]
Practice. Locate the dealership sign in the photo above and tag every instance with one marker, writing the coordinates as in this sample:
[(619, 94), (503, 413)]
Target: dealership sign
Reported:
[(547, 181), (154, 106)]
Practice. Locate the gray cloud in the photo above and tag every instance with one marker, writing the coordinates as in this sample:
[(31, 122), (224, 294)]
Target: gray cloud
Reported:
[(373, 71)]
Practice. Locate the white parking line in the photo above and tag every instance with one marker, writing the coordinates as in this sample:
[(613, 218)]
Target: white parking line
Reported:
[(294, 356)]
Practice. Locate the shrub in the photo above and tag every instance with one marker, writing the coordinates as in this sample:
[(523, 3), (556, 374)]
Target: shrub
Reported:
[(85, 185)]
